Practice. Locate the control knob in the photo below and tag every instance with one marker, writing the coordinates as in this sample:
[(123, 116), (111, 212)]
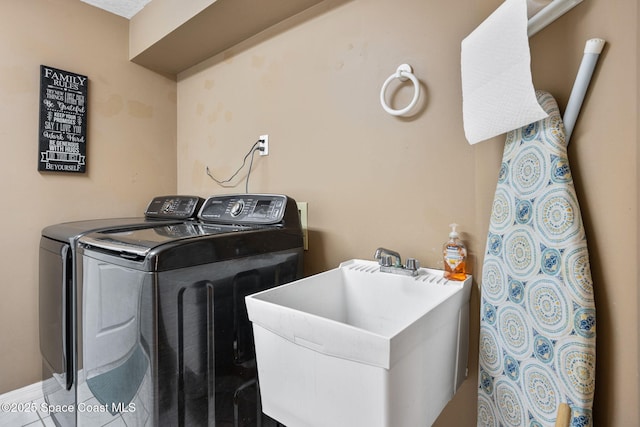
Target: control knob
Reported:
[(386, 261), (237, 208), (412, 264)]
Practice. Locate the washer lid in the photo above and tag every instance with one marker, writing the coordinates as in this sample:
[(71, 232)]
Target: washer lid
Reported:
[(139, 241), (71, 231), (225, 231)]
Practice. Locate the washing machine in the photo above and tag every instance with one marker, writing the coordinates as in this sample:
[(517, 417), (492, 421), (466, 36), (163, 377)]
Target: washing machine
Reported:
[(166, 339), (58, 279)]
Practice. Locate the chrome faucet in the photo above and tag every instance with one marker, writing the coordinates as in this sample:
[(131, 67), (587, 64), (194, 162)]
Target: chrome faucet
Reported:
[(383, 256), (385, 259)]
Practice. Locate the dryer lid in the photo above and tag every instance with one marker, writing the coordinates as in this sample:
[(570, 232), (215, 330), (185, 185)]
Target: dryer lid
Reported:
[(139, 241)]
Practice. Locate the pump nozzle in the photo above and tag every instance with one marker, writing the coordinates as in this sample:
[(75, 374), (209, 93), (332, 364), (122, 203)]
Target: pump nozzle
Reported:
[(453, 233)]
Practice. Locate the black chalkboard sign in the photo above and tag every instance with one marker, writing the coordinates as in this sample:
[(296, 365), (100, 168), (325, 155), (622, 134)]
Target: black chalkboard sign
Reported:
[(63, 121)]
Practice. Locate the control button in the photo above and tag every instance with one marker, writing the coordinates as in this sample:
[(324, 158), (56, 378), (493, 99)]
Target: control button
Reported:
[(237, 208)]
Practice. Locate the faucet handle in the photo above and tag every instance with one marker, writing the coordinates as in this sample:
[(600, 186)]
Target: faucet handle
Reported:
[(386, 261), (412, 264)]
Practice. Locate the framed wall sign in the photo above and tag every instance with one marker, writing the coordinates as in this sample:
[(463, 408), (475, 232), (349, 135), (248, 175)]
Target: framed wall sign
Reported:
[(63, 121)]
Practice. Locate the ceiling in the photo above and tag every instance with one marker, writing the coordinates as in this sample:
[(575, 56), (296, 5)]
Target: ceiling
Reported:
[(125, 8)]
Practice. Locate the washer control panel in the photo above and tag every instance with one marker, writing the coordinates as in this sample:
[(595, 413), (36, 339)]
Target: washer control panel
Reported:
[(244, 209), (179, 207)]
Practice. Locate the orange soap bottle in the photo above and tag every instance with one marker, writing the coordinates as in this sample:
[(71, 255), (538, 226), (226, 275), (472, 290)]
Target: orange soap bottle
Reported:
[(454, 253)]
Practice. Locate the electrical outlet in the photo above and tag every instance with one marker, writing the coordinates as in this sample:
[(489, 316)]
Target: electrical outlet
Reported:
[(263, 145)]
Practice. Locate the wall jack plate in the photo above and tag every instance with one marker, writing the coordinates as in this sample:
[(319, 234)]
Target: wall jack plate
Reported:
[(263, 145)]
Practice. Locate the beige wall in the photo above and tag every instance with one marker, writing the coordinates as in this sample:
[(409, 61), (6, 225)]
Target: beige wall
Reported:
[(604, 156), (131, 149), (370, 179)]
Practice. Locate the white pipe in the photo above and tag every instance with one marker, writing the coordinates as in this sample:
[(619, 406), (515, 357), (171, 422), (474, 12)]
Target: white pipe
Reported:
[(550, 13), (591, 54)]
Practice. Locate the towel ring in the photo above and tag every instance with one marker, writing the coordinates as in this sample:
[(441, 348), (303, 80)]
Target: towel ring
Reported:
[(403, 73)]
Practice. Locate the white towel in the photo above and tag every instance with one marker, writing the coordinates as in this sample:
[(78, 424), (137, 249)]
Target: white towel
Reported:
[(497, 90)]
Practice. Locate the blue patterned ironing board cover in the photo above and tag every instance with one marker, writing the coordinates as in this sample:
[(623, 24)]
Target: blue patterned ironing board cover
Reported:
[(537, 313)]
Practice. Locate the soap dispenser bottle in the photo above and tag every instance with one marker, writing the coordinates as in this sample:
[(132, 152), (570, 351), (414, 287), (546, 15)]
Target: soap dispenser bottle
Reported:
[(454, 253)]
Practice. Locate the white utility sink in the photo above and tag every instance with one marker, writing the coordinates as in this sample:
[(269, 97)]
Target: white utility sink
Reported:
[(357, 347)]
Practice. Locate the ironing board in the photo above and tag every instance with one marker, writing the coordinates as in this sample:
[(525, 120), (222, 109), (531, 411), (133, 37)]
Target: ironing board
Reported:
[(537, 313)]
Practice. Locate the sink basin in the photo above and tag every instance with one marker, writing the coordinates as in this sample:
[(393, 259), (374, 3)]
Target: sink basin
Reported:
[(354, 346)]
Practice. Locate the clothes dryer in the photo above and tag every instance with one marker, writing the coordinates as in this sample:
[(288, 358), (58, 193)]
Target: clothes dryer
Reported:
[(58, 295), (166, 339)]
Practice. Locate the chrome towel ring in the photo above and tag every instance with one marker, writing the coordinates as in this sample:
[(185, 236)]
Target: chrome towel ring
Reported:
[(403, 73)]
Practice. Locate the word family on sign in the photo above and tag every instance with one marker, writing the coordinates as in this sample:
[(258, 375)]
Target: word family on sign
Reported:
[(63, 125)]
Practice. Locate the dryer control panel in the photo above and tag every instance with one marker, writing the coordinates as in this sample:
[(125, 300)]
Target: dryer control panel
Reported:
[(244, 209), (178, 207)]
